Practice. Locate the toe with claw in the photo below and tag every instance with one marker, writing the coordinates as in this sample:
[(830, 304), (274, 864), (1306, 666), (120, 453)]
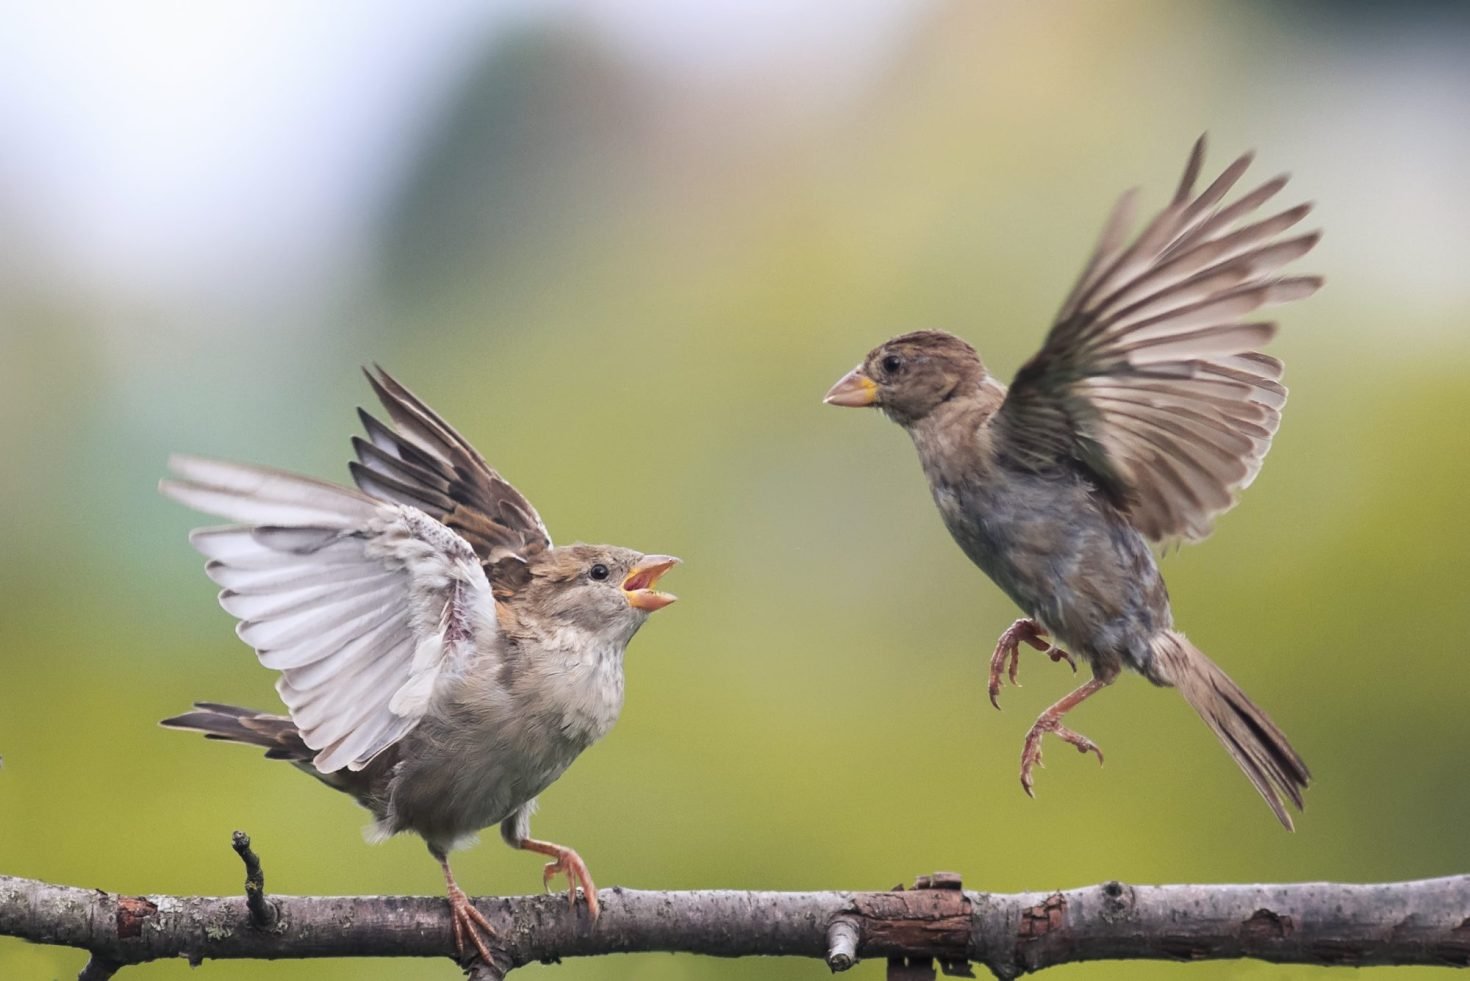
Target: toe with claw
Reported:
[(1057, 654), (469, 922), (466, 922), (1031, 750), (1051, 721), (567, 862), (1008, 649)]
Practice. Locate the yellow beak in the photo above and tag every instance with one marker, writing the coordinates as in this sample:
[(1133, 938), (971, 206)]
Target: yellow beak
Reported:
[(854, 390), (638, 586)]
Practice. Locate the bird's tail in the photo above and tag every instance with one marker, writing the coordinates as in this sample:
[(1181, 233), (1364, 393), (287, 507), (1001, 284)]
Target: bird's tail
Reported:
[(281, 740), (1259, 748), (276, 734)]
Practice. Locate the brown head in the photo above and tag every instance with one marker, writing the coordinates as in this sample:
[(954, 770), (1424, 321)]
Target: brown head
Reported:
[(908, 376), (601, 589)]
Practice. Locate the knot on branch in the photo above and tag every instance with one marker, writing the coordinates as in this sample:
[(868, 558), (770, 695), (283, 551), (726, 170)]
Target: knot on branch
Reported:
[(1263, 925)]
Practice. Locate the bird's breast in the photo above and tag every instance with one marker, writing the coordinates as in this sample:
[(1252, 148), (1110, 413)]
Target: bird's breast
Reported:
[(502, 737), (1063, 555)]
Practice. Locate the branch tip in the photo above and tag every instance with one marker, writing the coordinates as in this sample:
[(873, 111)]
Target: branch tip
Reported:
[(263, 913), (844, 936)]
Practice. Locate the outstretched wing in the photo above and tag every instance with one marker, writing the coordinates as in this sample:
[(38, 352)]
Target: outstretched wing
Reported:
[(364, 607), (421, 461), (1150, 375)]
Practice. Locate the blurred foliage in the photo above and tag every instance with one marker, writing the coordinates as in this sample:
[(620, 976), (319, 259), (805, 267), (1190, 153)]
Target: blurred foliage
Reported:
[(534, 146), (631, 295)]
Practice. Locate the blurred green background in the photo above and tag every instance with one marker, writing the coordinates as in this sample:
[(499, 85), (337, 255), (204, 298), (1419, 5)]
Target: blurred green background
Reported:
[(625, 248)]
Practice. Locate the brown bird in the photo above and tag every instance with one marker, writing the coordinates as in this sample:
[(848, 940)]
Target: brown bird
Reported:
[(1146, 410), (442, 662)]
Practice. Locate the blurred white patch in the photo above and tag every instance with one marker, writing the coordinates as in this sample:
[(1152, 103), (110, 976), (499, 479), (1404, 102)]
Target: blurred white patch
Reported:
[(155, 149), (1372, 130)]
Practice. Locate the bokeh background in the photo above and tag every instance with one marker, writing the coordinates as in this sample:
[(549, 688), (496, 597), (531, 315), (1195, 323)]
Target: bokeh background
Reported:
[(625, 247)]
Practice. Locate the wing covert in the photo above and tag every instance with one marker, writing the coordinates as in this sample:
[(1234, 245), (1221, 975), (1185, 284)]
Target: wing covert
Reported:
[(420, 460)]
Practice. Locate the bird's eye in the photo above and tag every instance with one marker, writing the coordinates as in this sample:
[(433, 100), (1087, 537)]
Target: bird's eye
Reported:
[(598, 572), (891, 364)]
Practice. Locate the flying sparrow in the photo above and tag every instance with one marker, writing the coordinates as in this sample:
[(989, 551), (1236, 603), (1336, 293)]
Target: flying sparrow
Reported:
[(442, 662), (1146, 410)]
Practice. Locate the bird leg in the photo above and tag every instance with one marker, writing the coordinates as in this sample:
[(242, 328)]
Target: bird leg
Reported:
[(1051, 721), (1023, 631), (568, 862), (464, 918)]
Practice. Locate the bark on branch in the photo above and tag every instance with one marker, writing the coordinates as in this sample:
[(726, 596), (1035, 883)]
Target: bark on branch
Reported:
[(1424, 922)]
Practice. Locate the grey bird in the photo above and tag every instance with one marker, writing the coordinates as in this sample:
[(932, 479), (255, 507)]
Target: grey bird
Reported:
[(441, 661), (1146, 410)]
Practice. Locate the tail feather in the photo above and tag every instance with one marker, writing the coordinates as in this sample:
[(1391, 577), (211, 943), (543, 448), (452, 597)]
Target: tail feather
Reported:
[(277, 734), (281, 740), (1259, 748)]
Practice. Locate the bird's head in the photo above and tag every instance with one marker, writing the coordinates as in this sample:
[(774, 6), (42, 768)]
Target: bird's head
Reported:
[(908, 376), (600, 589)]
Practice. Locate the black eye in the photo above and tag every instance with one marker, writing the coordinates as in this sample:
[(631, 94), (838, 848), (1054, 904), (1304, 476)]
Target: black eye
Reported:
[(892, 364), (598, 572)]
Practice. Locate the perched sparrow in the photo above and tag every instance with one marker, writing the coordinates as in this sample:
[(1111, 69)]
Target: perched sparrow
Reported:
[(441, 661), (1145, 411)]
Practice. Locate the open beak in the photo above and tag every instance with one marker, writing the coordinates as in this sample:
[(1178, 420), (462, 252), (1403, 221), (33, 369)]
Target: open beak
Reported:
[(854, 390), (638, 587)]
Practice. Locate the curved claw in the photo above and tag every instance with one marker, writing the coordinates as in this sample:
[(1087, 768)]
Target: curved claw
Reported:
[(577, 875), (1008, 649), (1057, 654), (1030, 758), (551, 870), (568, 862), (1050, 721), (997, 665), (1031, 749)]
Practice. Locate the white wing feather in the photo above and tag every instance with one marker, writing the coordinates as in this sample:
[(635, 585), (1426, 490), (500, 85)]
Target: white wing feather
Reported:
[(364, 606)]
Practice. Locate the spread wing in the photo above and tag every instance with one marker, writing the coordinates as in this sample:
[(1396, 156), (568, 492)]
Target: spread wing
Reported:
[(1150, 375), (421, 461), (364, 607)]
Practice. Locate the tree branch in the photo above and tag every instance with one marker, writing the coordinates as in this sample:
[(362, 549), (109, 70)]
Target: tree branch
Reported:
[(1424, 922)]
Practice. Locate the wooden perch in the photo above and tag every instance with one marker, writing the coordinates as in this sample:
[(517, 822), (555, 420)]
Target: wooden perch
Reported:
[(1423, 922)]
